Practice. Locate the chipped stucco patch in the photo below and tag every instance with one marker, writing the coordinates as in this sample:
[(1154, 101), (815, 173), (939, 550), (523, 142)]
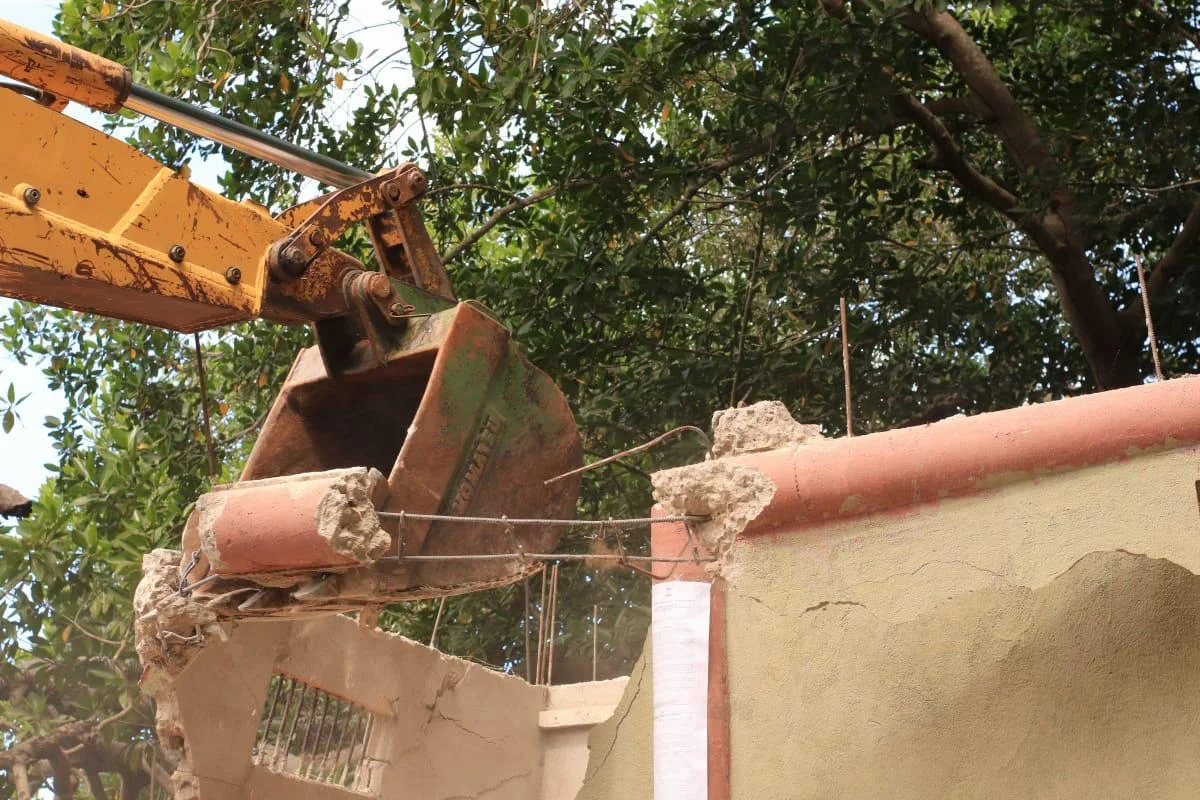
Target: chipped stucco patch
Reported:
[(347, 519), (731, 495), (169, 627), (169, 632)]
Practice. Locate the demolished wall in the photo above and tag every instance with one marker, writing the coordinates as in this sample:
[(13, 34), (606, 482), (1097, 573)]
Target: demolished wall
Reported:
[(620, 750), (371, 715), (972, 629), (1040, 641)]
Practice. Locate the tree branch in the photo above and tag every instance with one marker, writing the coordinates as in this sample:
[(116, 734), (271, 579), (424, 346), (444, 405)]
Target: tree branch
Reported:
[(64, 782), (20, 773), (1169, 267), (968, 106), (1181, 29), (502, 212), (95, 785), (685, 200), (951, 157), (1017, 129), (704, 174), (1112, 347)]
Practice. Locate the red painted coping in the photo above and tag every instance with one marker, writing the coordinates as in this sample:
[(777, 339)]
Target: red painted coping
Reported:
[(850, 477)]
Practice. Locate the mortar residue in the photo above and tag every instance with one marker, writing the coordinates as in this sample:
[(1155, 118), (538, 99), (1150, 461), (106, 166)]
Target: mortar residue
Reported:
[(346, 516), (756, 428)]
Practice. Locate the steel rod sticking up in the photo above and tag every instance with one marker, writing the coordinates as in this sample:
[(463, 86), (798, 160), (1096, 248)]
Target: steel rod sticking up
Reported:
[(552, 632), (846, 366), (208, 437), (1141, 273), (525, 626)]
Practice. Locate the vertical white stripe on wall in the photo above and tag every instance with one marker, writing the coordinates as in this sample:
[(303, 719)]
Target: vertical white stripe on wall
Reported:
[(680, 619)]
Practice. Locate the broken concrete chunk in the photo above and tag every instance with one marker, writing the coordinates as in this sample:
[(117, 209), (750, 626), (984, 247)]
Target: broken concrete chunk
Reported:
[(755, 428), (169, 627), (730, 494), (13, 503), (296, 523), (347, 519)]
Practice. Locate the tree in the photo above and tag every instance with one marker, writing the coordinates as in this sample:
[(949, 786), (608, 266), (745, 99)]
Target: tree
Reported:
[(665, 202)]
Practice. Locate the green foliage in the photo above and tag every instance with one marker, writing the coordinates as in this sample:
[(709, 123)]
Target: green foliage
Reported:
[(711, 178), (8, 408)]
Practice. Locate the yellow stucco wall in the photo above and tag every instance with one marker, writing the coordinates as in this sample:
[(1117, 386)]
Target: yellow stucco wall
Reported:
[(620, 751), (1040, 641)]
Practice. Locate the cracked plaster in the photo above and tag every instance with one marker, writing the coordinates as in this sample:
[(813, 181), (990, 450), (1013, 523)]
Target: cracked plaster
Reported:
[(444, 729), (1038, 640)]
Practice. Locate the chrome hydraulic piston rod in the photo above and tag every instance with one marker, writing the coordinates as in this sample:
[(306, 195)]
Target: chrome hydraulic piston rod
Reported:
[(69, 73)]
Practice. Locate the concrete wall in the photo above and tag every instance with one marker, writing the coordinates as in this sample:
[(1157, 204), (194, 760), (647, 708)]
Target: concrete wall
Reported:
[(444, 728), (621, 749), (571, 714), (1041, 640)]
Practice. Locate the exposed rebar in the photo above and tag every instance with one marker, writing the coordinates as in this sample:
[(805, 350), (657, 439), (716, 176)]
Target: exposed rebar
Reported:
[(846, 367), (208, 437), (631, 522), (634, 450), (1141, 273)]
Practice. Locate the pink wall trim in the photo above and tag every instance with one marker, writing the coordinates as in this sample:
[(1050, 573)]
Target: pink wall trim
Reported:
[(850, 477)]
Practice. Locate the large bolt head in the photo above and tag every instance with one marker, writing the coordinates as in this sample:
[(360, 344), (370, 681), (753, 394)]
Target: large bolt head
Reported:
[(292, 262), (177, 253), (32, 196), (379, 286)]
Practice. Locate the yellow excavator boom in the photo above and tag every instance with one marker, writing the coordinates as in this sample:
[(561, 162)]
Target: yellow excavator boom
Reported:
[(89, 223), (414, 417)]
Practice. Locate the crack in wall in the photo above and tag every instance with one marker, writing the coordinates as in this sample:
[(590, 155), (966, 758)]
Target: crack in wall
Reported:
[(489, 789), (937, 562), (823, 604), (827, 603), (459, 724), (612, 743)]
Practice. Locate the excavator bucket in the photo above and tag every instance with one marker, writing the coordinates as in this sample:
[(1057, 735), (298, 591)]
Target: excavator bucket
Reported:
[(458, 423), (413, 417)]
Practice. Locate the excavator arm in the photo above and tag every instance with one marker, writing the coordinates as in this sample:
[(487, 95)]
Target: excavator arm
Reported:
[(411, 403)]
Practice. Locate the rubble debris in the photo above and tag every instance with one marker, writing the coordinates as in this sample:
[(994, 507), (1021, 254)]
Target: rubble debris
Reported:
[(755, 428), (731, 494), (347, 518), (169, 627), (13, 503)]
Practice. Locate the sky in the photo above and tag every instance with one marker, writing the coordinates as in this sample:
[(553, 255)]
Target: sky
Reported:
[(27, 448)]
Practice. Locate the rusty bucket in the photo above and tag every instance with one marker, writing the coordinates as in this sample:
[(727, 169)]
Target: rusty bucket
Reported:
[(460, 423)]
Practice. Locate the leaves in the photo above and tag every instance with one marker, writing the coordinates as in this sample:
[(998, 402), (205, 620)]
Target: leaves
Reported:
[(8, 408), (722, 174)]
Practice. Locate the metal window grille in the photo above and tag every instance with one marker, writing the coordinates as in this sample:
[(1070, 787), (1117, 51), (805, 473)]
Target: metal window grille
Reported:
[(309, 733)]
